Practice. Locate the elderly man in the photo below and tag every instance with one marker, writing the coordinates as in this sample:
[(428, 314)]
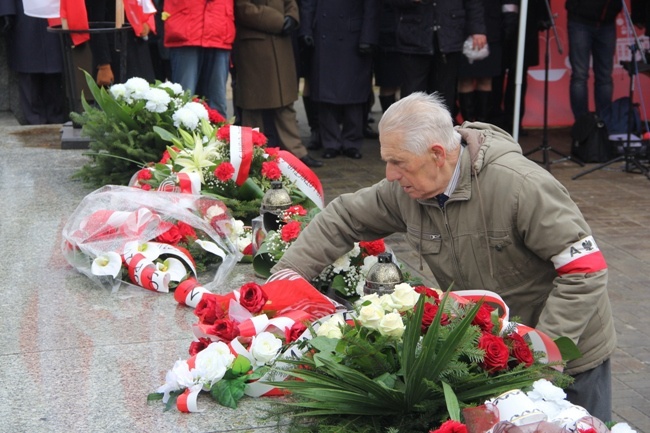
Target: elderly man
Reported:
[(481, 216)]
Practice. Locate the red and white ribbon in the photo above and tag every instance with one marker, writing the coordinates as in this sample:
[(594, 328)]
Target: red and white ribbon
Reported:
[(145, 274), (189, 292), (582, 257), (241, 152), (187, 401), (305, 179)]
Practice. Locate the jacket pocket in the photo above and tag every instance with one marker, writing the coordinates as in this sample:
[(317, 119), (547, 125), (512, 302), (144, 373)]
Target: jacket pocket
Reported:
[(431, 243), (412, 33), (178, 26)]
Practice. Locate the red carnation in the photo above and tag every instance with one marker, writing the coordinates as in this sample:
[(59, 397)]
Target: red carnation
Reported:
[(273, 152), (252, 297), (144, 174), (483, 318), (451, 426), (225, 329), (259, 139), (146, 187), (223, 133), (290, 231), (214, 116), (373, 248), (271, 170), (208, 310), (496, 353), (520, 350), (224, 171), (197, 346)]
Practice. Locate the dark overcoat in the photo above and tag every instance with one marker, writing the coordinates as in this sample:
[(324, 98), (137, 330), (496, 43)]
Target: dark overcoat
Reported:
[(265, 69), (340, 74), (31, 49)]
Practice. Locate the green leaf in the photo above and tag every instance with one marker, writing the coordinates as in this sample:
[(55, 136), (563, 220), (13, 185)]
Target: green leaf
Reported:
[(249, 190), (228, 392), (263, 261), (155, 396), (453, 408), (567, 348), (166, 135)]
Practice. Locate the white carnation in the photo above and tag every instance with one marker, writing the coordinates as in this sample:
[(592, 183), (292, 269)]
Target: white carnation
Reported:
[(622, 427), (176, 88), (119, 91), (545, 390), (157, 100), (198, 109), (342, 264), (185, 118), (137, 87), (355, 251)]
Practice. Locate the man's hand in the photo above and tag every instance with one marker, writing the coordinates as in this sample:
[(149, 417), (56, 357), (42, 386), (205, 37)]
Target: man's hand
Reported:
[(105, 75), (144, 34), (290, 24), (308, 41), (478, 42)]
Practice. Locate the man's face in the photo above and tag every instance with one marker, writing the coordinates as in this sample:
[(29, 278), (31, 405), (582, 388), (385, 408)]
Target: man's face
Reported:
[(418, 175)]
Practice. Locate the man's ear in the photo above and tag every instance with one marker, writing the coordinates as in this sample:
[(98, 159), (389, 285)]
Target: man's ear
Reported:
[(438, 153)]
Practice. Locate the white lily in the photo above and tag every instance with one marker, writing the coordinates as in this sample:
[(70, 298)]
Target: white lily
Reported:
[(211, 247), (108, 263), (173, 267), (195, 160), (150, 250)]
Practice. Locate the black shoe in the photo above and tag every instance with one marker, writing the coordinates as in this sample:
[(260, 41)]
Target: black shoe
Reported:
[(314, 141), (330, 153), (352, 153), (311, 162), (369, 133)]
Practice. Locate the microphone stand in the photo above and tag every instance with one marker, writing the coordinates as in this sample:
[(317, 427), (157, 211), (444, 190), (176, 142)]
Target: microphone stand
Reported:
[(545, 148)]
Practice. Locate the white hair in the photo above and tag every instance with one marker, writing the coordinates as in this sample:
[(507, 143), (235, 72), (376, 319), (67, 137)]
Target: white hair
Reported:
[(420, 119)]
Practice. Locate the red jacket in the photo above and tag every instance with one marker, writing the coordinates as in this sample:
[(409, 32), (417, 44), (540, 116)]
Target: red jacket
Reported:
[(199, 23)]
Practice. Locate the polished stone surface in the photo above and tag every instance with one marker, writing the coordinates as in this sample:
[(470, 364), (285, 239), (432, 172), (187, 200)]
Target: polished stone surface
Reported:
[(76, 357)]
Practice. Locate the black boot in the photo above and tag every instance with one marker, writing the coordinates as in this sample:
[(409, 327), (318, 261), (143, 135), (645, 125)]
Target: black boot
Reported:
[(467, 106), (386, 101), (483, 105)]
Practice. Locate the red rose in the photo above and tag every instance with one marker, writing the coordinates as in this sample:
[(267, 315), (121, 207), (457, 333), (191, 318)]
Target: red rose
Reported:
[(197, 346), (496, 352), (259, 139), (224, 171), (272, 152), (290, 231), (483, 318), (292, 334), (223, 133), (225, 329), (144, 174), (248, 251), (451, 426), (520, 350), (171, 235), (252, 297), (146, 187), (373, 248), (187, 231), (271, 170), (430, 311), (208, 310), (426, 291)]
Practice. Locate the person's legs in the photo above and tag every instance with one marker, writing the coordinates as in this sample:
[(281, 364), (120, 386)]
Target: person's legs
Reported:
[(593, 391), (352, 126), (214, 76), (444, 79), (286, 126), (603, 50), (580, 43), (185, 66), (415, 73), (330, 131)]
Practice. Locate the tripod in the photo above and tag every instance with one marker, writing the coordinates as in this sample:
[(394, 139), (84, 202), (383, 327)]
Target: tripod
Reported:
[(630, 158), (545, 148)]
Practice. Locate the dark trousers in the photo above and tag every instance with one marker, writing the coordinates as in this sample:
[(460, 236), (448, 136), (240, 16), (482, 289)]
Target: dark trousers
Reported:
[(341, 125), (593, 391), (42, 98), (436, 73)]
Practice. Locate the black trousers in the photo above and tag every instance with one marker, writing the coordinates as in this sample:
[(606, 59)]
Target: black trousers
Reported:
[(341, 125)]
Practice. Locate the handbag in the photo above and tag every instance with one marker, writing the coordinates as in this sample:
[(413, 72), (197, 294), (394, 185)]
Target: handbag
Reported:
[(590, 139)]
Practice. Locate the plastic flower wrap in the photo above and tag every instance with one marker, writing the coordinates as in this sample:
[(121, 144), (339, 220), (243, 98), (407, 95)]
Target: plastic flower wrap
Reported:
[(291, 223), (120, 126), (347, 275), (411, 358), (238, 337), (230, 163), (155, 240)]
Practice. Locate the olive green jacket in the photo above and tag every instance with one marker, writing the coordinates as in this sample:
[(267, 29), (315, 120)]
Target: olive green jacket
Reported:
[(499, 231)]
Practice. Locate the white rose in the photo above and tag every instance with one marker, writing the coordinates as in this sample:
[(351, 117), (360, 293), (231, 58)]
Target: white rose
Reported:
[(212, 362), (386, 301), (332, 327), (373, 297), (404, 297), (392, 325), (371, 315), (265, 347)]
